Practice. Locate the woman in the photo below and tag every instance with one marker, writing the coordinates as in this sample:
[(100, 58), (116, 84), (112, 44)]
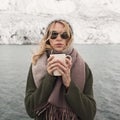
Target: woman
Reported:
[(65, 97)]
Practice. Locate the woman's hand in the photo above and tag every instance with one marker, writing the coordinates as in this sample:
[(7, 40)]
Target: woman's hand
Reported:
[(51, 66), (64, 69)]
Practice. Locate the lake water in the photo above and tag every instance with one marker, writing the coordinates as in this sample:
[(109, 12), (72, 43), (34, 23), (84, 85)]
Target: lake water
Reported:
[(104, 61)]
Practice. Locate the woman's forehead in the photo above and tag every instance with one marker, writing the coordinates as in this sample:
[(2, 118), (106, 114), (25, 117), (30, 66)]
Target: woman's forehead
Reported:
[(57, 26)]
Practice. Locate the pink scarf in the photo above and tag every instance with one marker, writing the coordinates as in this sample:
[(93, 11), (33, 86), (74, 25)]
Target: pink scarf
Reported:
[(56, 99)]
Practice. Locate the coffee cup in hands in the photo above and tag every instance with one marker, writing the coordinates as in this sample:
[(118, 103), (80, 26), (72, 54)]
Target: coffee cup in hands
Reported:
[(60, 57)]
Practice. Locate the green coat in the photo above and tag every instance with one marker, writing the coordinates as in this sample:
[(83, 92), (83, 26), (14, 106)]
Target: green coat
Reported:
[(82, 103)]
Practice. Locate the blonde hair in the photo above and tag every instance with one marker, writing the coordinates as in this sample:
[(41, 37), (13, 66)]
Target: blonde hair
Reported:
[(44, 43)]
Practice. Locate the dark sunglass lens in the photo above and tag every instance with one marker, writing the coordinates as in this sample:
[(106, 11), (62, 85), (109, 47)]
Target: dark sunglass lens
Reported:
[(64, 35), (54, 35)]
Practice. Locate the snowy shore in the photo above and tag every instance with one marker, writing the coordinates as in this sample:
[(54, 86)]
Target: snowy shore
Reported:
[(93, 22)]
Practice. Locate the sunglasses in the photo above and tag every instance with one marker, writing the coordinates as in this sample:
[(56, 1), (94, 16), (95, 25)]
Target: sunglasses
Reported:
[(63, 35)]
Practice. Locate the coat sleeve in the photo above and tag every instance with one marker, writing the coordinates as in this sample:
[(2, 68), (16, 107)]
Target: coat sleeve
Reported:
[(37, 96), (82, 103)]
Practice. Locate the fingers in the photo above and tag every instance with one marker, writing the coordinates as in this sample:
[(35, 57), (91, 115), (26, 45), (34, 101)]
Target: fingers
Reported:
[(64, 70), (62, 67), (50, 59), (68, 62), (51, 65)]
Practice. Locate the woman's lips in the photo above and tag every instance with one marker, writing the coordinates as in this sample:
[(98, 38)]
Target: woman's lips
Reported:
[(58, 44)]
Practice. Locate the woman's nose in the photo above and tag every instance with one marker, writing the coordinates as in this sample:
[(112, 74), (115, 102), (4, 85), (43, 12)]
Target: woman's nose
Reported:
[(59, 37)]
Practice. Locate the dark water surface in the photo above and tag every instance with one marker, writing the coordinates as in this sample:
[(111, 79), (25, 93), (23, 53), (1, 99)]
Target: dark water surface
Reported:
[(104, 60)]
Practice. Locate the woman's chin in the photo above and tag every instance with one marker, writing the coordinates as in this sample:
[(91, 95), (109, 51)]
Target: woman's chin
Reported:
[(58, 50)]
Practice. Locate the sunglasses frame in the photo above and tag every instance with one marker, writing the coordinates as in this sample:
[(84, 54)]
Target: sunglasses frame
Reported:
[(63, 35)]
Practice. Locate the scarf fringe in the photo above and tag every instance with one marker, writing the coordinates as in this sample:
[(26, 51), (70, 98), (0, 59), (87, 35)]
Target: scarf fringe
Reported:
[(39, 110), (55, 113)]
